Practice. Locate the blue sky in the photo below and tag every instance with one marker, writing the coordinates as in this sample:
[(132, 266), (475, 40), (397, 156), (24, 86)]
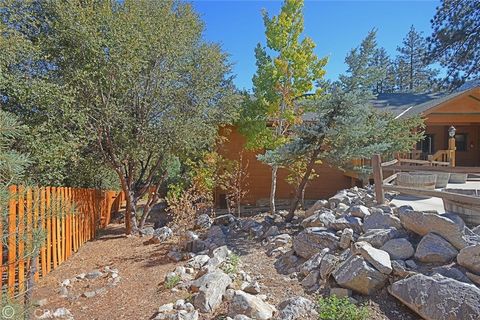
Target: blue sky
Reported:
[(335, 26)]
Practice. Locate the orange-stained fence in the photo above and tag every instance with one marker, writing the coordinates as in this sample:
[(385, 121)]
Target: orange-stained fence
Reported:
[(58, 219)]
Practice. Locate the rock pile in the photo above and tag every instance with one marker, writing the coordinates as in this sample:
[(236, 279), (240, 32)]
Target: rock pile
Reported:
[(428, 261)]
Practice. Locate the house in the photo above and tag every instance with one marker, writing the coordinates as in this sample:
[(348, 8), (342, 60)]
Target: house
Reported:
[(460, 109)]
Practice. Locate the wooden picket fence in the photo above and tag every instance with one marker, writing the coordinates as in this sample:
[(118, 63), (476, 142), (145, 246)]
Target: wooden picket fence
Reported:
[(64, 218)]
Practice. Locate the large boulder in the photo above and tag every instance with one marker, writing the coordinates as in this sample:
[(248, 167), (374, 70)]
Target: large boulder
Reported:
[(313, 262), (327, 265), (381, 220), (215, 237), (250, 306), (469, 257), (423, 223), (378, 258), (318, 205), (353, 223), (321, 218), (438, 297), (357, 274), (312, 240), (296, 308), (398, 249), (210, 288), (359, 211), (378, 237), (434, 249)]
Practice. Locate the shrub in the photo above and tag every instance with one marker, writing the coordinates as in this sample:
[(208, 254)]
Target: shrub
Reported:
[(231, 265), (333, 308), (172, 282)]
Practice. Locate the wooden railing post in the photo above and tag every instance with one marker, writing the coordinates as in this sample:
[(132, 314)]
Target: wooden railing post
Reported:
[(378, 178), (451, 151)]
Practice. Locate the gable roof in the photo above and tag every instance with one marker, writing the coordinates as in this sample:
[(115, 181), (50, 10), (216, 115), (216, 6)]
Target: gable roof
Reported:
[(410, 104)]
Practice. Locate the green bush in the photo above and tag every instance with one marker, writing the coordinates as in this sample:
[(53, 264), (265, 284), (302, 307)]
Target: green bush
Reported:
[(231, 265), (333, 308), (172, 282)]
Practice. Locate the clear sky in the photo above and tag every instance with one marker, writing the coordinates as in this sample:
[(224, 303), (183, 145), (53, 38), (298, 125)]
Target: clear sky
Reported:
[(336, 26)]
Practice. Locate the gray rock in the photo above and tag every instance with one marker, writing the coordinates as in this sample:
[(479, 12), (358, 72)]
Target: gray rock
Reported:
[(271, 232), (347, 222), (399, 249), (318, 205), (310, 282), (434, 249), (438, 297), (381, 220), (400, 268), (378, 258), (147, 231), (321, 218), (221, 253), (340, 197), (287, 263), (313, 240), (474, 278), (296, 308), (451, 272), (210, 288), (469, 257), (225, 219), (203, 221), (216, 237), (313, 262), (89, 294), (357, 274), (340, 292), (198, 261), (359, 211), (250, 306), (175, 255), (346, 238), (423, 223), (163, 233), (94, 274), (411, 264), (378, 237), (327, 265), (252, 288)]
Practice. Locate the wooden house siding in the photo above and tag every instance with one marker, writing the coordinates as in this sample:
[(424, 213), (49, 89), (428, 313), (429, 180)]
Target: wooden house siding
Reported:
[(329, 181)]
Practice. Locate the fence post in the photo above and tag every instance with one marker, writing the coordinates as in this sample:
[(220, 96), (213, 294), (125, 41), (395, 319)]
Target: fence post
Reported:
[(378, 178)]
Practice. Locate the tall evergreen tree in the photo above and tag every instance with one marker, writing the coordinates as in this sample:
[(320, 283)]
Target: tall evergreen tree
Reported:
[(455, 41), (414, 68), (286, 74), (367, 66), (384, 65)]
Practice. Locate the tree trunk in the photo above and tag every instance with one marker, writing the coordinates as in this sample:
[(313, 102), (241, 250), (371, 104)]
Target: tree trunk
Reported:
[(152, 200), (273, 189), (301, 186), (303, 197), (131, 214)]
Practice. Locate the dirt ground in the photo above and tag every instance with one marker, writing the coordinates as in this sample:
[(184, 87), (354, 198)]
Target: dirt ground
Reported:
[(142, 269)]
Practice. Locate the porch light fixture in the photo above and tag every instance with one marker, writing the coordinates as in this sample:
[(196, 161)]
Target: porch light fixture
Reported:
[(451, 131)]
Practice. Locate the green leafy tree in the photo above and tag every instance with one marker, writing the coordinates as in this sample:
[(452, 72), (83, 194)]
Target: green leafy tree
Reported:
[(143, 85), (31, 89), (415, 71), (455, 41), (287, 71), (346, 128)]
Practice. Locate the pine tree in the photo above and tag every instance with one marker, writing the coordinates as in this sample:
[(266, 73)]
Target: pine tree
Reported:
[(367, 66), (384, 65), (283, 79), (455, 41), (415, 69)]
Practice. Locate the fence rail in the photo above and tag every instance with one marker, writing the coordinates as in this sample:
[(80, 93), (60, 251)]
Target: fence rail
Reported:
[(59, 219)]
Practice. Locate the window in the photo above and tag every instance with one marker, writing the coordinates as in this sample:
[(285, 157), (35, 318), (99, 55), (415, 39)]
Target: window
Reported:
[(427, 144), (461, 141)]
